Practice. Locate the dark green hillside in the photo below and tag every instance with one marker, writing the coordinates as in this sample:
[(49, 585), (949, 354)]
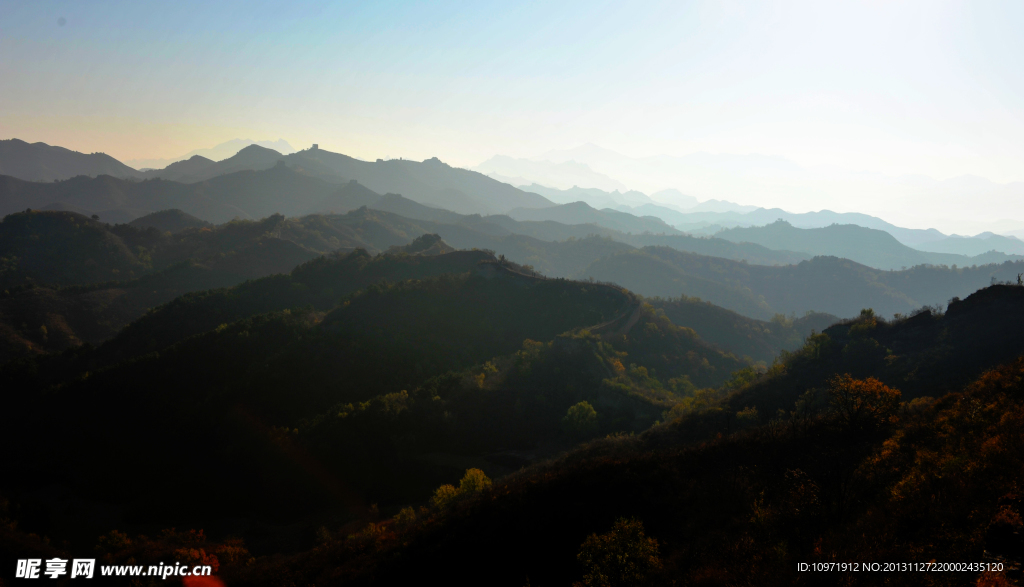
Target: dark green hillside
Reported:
[(511, 411), (69, 279), (35, 319), (928, 479), (186, 400), (218, 243), (927, 353), (169, 221), (826, 284), (426, 245), (320, 284), (454, 356), (460, 316), (48, 247), (62, 248), (463, 321), (757, 339), (659, 273), (936, 482)]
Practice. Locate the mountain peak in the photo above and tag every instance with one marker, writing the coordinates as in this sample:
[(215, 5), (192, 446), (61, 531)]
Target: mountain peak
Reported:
[(43, 162), (255, 149)]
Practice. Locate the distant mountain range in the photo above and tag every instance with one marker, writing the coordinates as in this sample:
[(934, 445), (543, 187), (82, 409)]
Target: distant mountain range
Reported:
[(592, 196), (217, 153), (198, 168), (868, 246), (823, 284), (316, 172), (42, 162), (968, 203), (217, 191), (975, 245), (564, 175), (581, 213), (429, 182), (708, 218)]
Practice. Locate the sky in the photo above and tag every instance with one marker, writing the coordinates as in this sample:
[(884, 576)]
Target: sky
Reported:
[(927, 88)]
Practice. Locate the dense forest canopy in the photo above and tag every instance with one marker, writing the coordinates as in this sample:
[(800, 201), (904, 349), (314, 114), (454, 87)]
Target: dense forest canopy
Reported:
[(374, 382)]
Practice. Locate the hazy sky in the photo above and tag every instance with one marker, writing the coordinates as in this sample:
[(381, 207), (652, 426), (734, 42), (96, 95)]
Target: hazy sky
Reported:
[(933, 88)]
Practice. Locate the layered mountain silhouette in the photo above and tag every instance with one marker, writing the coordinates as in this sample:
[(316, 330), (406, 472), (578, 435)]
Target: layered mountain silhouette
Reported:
[(975, 245), (592, 196), (567, 173), (251, 158), (582, 213), (871, 247), (216, 153), (295, 192), (824, 284), (372, 373), (42, 162), (429, 182), (188, 169), (169, 221)]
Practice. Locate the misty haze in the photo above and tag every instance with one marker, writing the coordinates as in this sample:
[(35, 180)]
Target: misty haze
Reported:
[(630, 294)]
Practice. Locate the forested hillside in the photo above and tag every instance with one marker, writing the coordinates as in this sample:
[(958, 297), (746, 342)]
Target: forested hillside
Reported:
[(454, 367), (433, 392), (68, 279), (727, 495), (411, 366), (757, 339)]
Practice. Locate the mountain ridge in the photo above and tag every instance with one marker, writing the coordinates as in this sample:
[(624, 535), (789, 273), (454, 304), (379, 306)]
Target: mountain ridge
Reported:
[(43, 162)]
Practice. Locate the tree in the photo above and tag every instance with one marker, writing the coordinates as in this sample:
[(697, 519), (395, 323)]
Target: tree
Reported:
[(444, 497), (623, 557), (862, 402), (580, 420), (472, 483)]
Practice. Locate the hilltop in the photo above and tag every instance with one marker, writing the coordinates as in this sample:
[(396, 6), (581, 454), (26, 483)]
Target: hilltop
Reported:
[(42, 162), (429, 182), (197, 168), (169, 221)]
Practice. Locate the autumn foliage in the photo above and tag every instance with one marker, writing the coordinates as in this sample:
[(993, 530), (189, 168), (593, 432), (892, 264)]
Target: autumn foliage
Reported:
[(862, 402)]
